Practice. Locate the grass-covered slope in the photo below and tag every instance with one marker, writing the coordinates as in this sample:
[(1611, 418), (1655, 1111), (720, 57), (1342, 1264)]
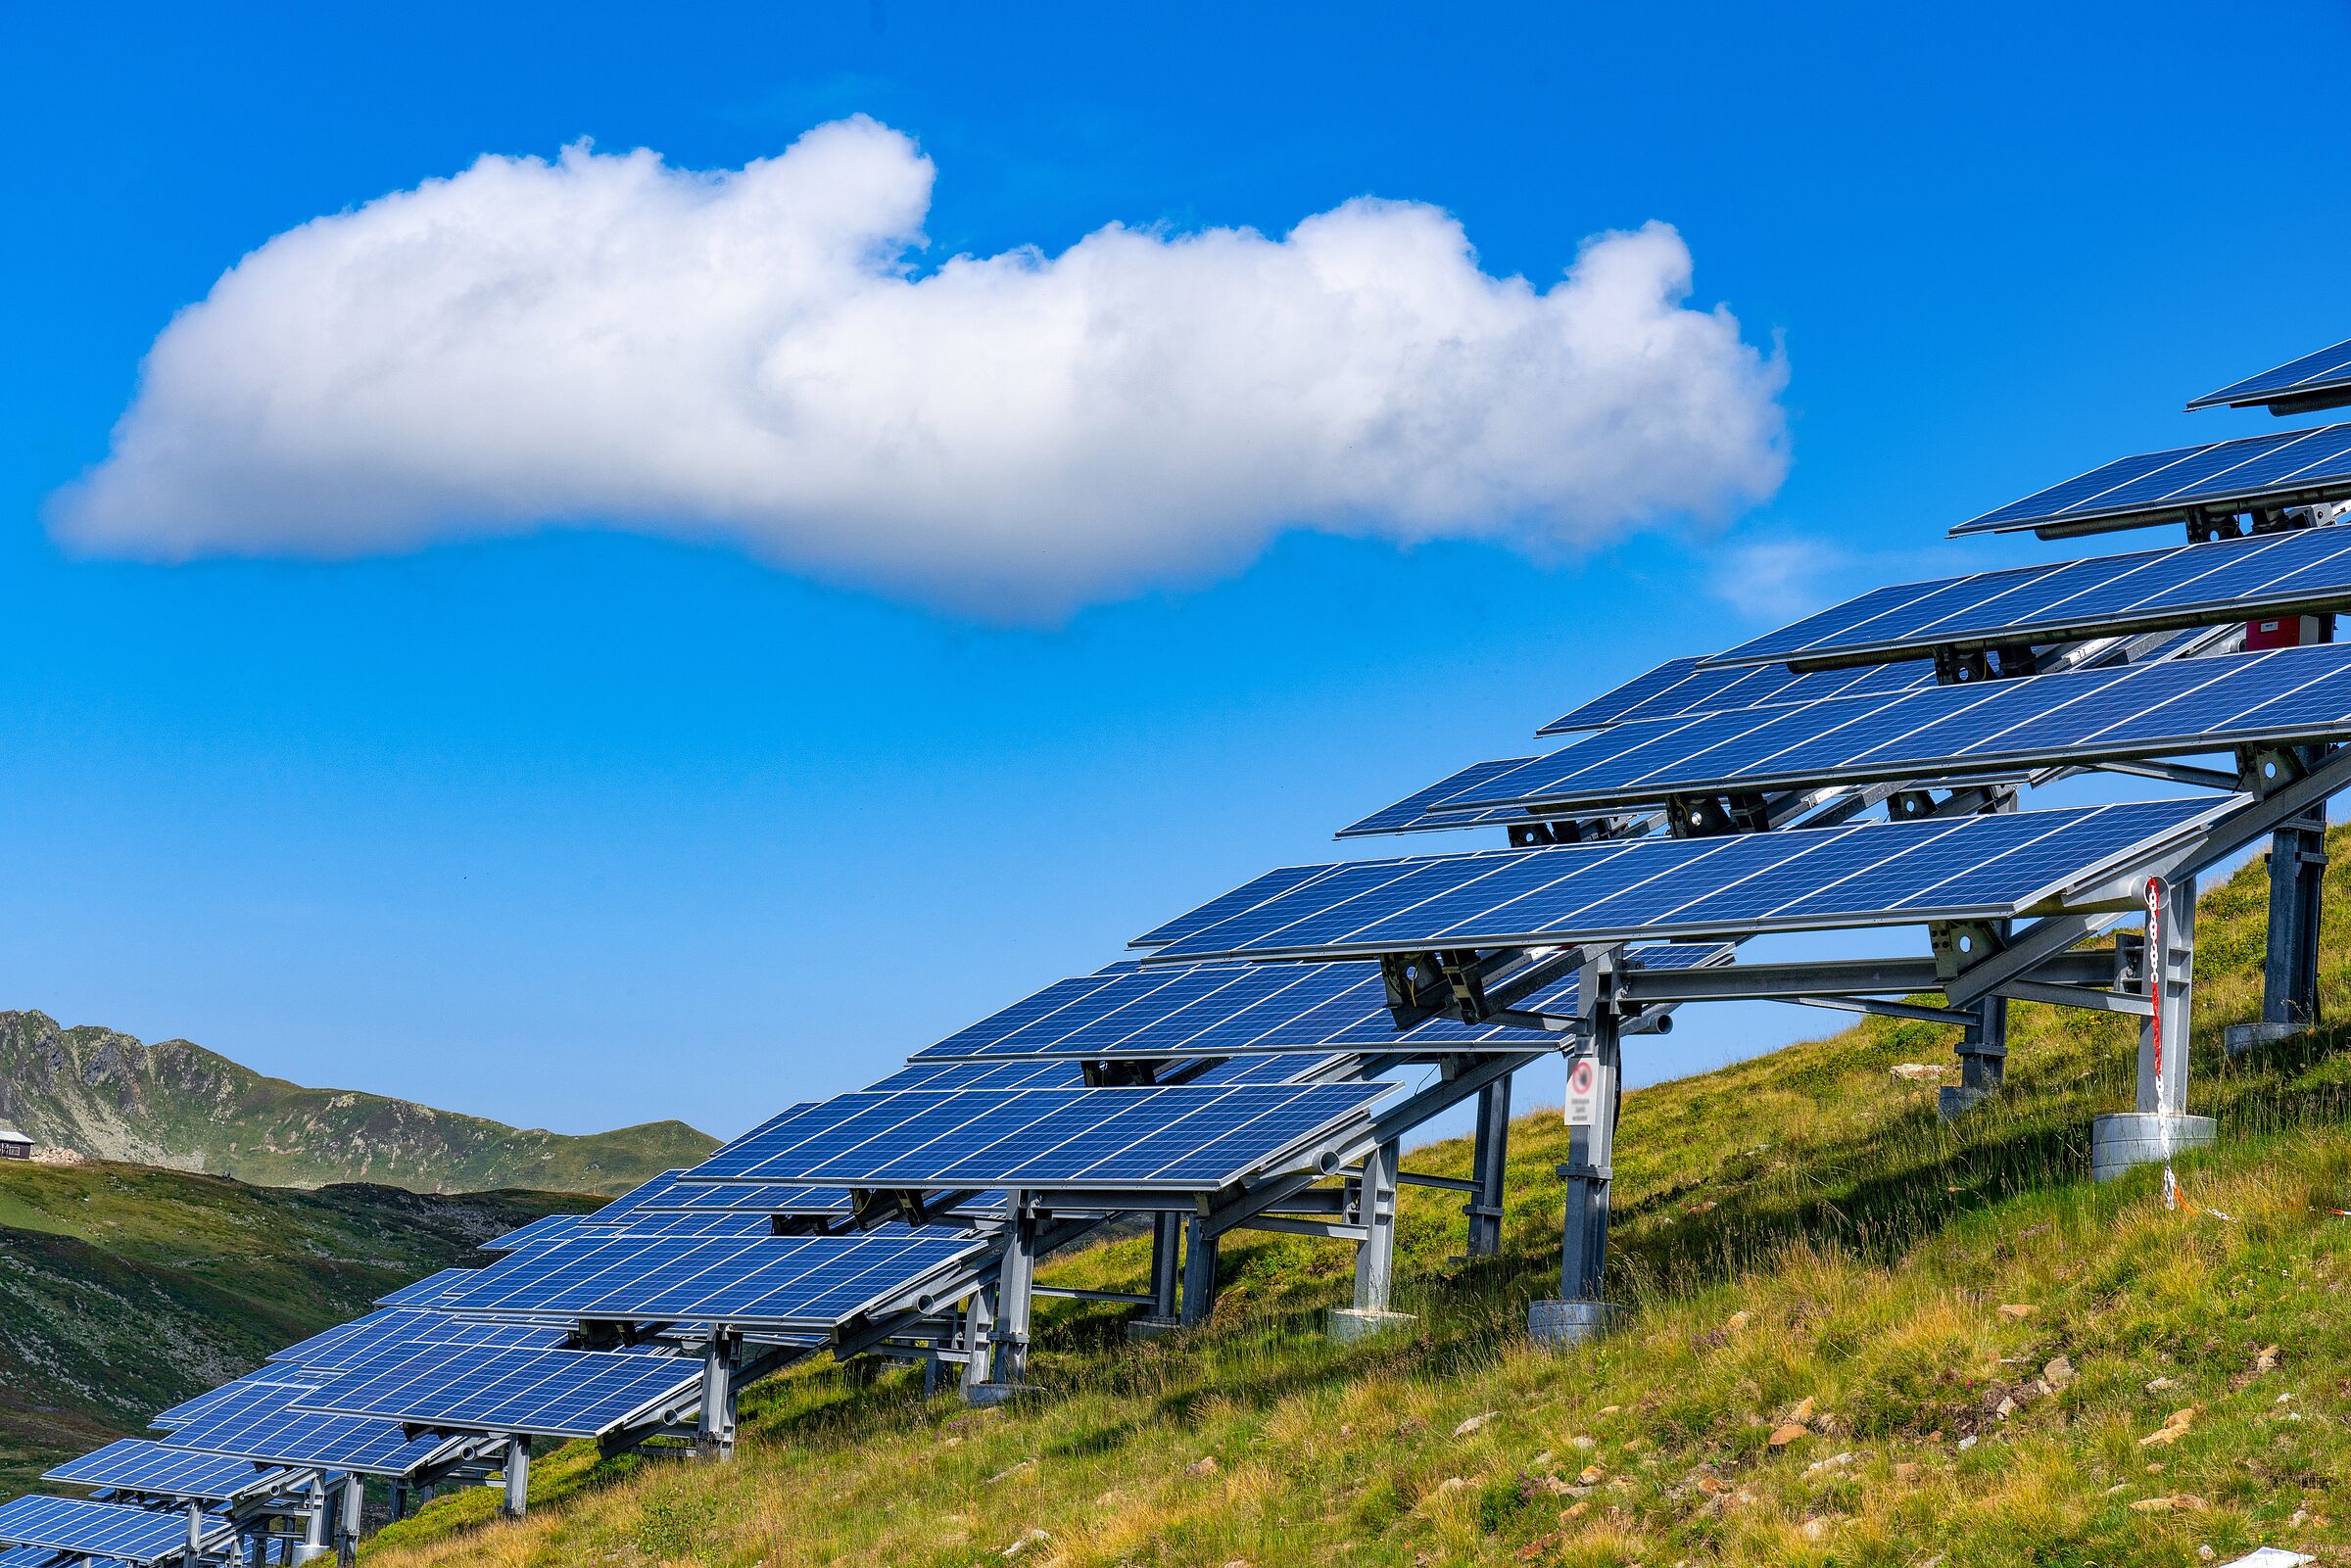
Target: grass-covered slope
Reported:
[(1859, 1336), (106, 1095), (124, 1289)]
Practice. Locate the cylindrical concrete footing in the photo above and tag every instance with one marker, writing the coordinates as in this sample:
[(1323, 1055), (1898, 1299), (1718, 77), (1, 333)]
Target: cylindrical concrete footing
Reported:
[(1571, 1322), (2130, 1138)]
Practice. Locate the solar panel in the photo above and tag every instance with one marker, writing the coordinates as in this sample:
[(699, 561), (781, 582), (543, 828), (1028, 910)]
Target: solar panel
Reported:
[(2150, 710), (2287, 467), (783, 1281), (1685, 687), (553, 1394), (134, 1465), (1192, 1139), (337, 1350), (1217, 1008), (262, 1422), (426, 1291), (1409, 815), (1871, 873), (637, 1197), (1265, 886), (922, 1074), (2318, 380), (545, 1228), (35, 1558), (114, 1530), (274, 1376), (2303, 570), (772, 1198)]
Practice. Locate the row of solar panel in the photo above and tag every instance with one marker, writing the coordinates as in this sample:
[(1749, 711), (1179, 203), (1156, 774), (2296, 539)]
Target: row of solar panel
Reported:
[(2319, 379)]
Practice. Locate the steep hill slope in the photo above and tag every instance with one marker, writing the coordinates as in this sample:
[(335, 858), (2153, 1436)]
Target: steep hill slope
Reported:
[(1859, 1336), (103, 1094), (126, 1289)]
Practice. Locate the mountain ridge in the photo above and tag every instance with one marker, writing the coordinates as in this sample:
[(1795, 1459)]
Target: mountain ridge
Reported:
[(105, 1094)]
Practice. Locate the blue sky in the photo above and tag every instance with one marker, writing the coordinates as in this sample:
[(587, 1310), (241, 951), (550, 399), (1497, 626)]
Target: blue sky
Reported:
[(574, 828)]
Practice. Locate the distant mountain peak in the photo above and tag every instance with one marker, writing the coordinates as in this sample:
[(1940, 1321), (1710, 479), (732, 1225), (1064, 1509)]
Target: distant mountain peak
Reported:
[(110, 1096)]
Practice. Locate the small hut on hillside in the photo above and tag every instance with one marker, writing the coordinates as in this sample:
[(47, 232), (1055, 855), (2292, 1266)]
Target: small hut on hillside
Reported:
[(14, 1145)]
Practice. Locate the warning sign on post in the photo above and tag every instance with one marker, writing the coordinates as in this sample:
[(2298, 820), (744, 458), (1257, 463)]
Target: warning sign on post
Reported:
[(1583, 1092)]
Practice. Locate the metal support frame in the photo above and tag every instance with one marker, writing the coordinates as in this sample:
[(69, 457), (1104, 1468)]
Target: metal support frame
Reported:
[(351, 1498), (2289, 976), (1167, 1266), (1375, 1212), (714, 1424), (2163, 1049), (1590, 1168), (518, 1498), (314, 1543), (1489, 1159), (1199, 1270), (1008, 1338)]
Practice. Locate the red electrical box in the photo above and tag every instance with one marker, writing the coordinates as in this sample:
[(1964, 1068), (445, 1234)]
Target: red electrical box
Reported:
[(2288, 632)]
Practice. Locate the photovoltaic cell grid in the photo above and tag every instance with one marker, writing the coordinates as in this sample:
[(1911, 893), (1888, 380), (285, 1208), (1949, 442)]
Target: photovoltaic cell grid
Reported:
[(2286, 466), (1410, 815), (637, 1197), (1181, 1137), (35, 1558), (788, 1281), (2304, 569), (2303, 381), (1872, 874), (2150, 710), (283, 1379), (339, 1347), (262, 1422), (113, 1530), (555, 1394), (1683, 688), (1211, 1009), (134, 1465), (426, 1291)]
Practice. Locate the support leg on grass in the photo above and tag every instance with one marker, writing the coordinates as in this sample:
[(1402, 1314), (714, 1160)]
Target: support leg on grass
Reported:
[(1581, 1314), (2158, 1126), (1491, 1164), (1375, 1254)]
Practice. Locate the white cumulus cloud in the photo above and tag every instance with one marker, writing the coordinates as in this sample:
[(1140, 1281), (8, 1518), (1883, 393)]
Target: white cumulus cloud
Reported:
[(754, 356)]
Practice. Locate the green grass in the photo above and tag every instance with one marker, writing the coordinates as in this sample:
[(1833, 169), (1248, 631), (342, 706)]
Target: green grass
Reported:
[(126, 1289), (1796, 1233)]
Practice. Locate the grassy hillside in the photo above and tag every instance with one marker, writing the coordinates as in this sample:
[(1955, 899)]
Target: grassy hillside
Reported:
[(126, 1289), (106, 1095), (1859, 1336)]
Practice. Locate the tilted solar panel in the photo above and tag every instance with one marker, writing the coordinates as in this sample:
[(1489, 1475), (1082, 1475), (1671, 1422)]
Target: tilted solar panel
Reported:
[(426, 1291), (772, 1198), (1214, 1009), (784, 1281), (636, 1196), (114, 1530), (553, 1394), (37, 1557), (961, 1074), (1407, 814), (548, 1227), (262, 1422), (134, 1465), (1192, 1139), (339, 1349), (284, 1379), (1870, 873), (2141, 711), (1216, 909), (2317, 380), (1684, 688), (2287, 467), (2301, 571)]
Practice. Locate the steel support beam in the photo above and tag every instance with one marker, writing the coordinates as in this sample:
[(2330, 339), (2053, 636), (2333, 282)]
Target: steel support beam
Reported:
[(1375, 1211), (1490, 1160), (352, 1503), (2289, 976), (714, 1425), (2172, 963), (517, 1500), (1199, 1270), (1008, 1341), (1167, 1266), (1590, 1168)]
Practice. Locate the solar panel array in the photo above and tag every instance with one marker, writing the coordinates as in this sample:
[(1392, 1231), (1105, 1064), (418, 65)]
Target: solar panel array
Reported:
[(2314, 380), (2154, 710), (2286, 467), (555, 1394), (109, 1529), (267, 1422), (2304, 570), (1681, 688), (135, 1464)]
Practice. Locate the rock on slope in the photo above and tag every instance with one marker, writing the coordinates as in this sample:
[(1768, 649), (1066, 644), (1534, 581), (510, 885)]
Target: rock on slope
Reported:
[(107, 1096)]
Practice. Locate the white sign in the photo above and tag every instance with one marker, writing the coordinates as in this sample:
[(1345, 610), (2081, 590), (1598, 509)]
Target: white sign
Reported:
[(1586, 1083)]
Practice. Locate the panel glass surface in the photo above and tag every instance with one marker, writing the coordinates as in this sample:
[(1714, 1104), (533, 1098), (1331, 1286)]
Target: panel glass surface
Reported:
[(1174, 1137), (1870, 873), (1685, 686), (2303, 570), (262, 1422), (557, 1394), (2326, 370), (2141, 711), (2287, 464), (113, 1530), (426, 1291), (134, 1465)]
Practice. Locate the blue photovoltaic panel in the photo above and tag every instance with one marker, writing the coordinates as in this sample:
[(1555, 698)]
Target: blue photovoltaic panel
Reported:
[(1292, 1069), (790, 1281), (2314, 381), (1175, 1137), (2301, 570), (1872, 874), (1216, 909), (338, 1350), (1684, 688), (114, 1530), (283, 1379), (547, 1228), (134, 1465), (426, 1291), (2149, 710), (262, 1422), (2285, 468), (1222, 1009), (1410, 815), (959, 1074), (553, 1394), (637, 1197), (34, 1557)]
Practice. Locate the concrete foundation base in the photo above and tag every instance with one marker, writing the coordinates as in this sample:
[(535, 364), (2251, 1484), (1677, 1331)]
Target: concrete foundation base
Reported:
[(2129, 1138), (2238, 1038), (1564, 1323), (1349, 1324), (1151, 1328), (987, 1395), (1951, 1102)]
